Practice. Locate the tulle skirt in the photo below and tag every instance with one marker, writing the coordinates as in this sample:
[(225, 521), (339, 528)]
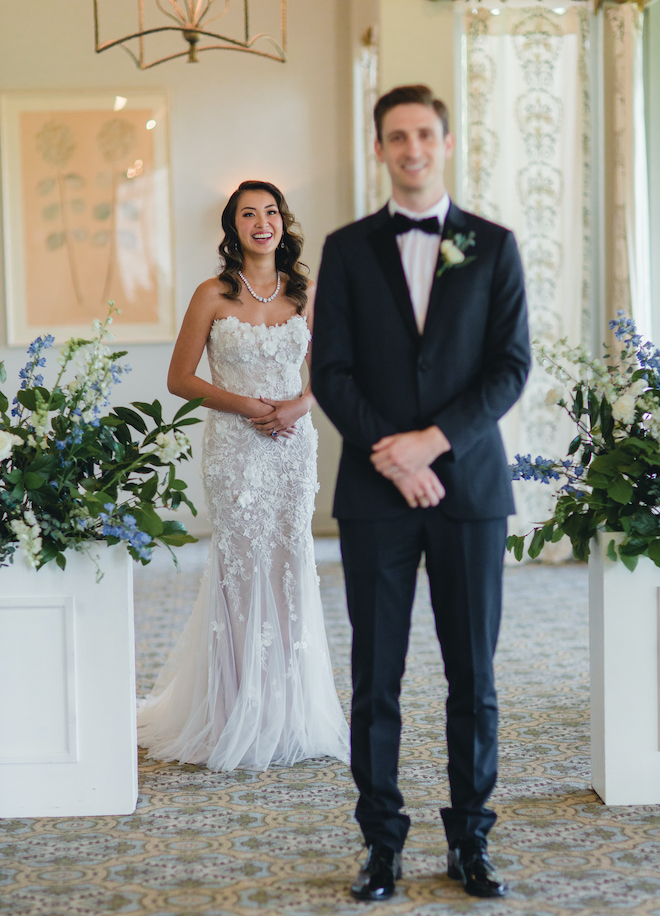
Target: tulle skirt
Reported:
[(249, 684)]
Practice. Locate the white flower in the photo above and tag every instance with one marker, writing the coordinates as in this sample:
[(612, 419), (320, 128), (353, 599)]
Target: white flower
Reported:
[(95, 375), (166, 447), (623, 409), (638, 388), (552, 397), (7, 442), (169, 448), (28, 534), (605, 390), (652, 423), (451, 253), (40, 422)]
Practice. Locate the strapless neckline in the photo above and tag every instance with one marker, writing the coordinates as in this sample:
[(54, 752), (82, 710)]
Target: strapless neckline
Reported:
[(283, 324)]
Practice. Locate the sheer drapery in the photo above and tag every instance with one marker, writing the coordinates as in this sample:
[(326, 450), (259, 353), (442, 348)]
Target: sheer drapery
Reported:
[(526, 132)]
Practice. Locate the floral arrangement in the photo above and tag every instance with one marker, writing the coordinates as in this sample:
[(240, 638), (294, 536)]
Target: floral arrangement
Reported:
[(610, 480), (452, 251), (71, 472)]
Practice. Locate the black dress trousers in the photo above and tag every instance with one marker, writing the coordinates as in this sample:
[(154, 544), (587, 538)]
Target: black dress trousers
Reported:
[(464, 566)]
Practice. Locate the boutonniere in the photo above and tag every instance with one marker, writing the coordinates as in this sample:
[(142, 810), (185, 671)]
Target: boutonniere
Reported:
[(453, 251)]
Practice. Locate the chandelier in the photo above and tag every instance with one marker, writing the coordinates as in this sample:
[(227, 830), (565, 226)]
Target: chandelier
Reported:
[(192, 20)]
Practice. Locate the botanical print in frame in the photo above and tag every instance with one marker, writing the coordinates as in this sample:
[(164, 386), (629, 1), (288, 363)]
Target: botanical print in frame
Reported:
[(86, 205)]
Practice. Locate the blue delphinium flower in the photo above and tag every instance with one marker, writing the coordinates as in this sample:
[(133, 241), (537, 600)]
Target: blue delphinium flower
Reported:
[(542, 469), (40, 343), (36, 360), (625, 329), (124, 527)]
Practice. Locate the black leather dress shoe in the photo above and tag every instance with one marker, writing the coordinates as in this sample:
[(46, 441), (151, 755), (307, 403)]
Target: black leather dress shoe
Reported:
[(471, 865), (377, 877)]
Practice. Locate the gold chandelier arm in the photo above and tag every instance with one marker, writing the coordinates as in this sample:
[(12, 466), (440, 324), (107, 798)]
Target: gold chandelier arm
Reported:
[(192, 31), (213, 18), (179, 12), (136, 60), (240, 45), (185, 17), (169, 15), (198, 15), (162, 60), (269, 38)]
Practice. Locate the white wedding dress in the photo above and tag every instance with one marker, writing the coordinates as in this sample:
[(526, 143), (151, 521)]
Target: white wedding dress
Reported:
[(250, 683)]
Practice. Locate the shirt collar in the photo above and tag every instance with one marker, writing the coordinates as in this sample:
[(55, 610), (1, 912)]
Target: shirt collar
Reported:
[(440, 209)]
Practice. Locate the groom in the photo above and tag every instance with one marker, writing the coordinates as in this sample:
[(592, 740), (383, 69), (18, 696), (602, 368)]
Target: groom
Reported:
[(419, 348)]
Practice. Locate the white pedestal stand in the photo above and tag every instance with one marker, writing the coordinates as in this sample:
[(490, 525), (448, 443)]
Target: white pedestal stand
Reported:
[(624, 647), (67, 688)]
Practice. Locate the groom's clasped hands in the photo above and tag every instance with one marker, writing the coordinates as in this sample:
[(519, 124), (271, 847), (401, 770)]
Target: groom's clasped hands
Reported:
[(405, 459)]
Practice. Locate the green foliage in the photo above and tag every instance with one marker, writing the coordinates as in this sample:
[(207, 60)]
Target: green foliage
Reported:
[(73, 472), (612, 473)]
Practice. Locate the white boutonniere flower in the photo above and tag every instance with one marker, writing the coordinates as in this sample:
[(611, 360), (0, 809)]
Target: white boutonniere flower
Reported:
[(452, 251)]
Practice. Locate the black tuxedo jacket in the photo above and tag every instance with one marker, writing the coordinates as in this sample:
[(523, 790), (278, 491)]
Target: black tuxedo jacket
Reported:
[(374, 374)]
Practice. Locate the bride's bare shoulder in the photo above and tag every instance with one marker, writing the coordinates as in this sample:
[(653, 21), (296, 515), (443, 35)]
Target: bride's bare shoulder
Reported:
[(213, 288), (210, 294)]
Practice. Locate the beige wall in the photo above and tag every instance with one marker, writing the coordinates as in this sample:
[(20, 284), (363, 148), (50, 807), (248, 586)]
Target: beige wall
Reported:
[(232, 116), (417, 46)]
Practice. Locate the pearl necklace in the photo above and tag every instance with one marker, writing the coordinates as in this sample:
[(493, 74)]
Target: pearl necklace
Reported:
[(261, 298)]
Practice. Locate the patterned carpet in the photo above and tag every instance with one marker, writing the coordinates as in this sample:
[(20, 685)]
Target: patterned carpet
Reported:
[(284, 842)]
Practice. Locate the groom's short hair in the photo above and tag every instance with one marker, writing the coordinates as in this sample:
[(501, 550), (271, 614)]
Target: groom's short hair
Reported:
[(409, 95)]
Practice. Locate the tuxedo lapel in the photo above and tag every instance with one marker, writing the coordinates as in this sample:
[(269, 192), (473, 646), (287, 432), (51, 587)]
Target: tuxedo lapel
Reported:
[(383, 242), (454, 222)]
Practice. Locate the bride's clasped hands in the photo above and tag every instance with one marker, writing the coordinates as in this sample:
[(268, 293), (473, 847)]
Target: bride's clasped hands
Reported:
[(280, 420)]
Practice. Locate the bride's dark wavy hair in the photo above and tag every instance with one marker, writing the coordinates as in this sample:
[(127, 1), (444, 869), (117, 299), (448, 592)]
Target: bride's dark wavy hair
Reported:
[(286, 256)]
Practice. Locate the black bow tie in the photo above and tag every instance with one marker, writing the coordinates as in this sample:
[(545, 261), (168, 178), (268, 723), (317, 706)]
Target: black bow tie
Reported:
[(403, 223)]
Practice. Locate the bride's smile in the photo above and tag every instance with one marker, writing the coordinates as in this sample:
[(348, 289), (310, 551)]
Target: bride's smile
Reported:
[(258, 223)]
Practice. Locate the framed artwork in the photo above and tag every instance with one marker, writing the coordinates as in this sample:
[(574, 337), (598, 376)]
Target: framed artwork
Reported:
[(86, 214)]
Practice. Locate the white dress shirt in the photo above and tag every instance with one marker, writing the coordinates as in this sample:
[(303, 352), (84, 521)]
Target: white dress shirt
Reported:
[(419, 255)]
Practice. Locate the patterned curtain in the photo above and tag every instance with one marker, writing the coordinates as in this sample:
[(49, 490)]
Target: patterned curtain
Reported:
[(628, 273), (526, 134)]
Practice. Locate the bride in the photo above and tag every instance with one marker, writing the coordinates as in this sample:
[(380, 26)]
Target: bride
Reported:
[(250, 683)]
